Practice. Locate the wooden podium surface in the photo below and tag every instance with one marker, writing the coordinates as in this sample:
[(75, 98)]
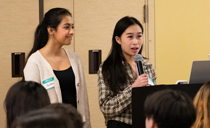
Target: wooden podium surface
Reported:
[(139, 96)]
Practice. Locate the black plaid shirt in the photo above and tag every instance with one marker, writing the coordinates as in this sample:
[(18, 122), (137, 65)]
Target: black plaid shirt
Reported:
[(119, 107)]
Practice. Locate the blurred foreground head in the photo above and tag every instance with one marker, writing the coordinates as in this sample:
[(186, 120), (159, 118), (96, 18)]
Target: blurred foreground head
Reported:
[(22, 97), (43, 118), (169, 109)]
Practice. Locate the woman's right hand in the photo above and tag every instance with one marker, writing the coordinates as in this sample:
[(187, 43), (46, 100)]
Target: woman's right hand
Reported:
[(141, 81)]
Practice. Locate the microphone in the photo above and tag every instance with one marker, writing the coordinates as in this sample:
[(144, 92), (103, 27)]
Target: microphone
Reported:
[(138, 60)]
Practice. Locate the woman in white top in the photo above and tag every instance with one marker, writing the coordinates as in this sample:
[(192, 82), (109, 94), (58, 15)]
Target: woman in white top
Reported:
[(58, 70)]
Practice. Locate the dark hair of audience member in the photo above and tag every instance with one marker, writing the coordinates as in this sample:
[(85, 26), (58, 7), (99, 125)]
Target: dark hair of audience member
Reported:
[(170, 109), (23, 97), (202, 106), (43, 118), (69, 110)]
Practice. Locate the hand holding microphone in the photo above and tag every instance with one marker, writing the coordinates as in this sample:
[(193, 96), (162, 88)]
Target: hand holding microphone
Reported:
[(142, 79), (138, 59)]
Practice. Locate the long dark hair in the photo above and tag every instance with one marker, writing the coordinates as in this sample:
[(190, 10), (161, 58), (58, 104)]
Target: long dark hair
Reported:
[(114, 73), (51, 19), (23, 97)]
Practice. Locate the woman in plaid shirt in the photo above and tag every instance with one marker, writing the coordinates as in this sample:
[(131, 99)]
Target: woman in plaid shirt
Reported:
[(118, 74)]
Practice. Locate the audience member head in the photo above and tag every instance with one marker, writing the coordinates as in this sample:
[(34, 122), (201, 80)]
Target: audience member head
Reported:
[(70, 112), (43, 118), (51, 19), (202, 106), (23, 97), (169, 109)]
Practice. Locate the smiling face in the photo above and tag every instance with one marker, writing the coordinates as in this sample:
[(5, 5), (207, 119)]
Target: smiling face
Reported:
[(65, 31), (131, 41)]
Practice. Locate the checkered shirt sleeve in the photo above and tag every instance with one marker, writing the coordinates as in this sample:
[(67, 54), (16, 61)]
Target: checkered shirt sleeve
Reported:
[(119, 107), (114, 107), (149, 70)]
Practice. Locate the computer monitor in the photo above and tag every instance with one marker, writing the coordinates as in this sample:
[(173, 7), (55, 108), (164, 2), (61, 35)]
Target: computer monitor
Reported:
[(200, 72)]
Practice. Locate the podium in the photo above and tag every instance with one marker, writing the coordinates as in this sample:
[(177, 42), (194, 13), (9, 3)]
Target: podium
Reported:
[(139, 95)]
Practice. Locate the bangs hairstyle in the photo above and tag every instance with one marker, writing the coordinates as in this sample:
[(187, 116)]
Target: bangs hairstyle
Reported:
[(113, 70)]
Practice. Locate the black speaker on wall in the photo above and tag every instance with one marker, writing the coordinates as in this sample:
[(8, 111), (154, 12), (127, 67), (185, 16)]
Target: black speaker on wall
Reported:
[(18, 63), (94, 61)]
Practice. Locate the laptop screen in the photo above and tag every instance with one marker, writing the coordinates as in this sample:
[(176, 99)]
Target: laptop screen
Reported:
[(200, 72)]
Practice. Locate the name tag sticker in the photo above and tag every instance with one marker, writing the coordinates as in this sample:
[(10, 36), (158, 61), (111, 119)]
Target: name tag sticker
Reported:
[(150, 81), (48, 83)]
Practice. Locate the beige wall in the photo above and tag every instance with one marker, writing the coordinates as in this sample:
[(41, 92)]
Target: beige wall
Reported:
[(94, 24), (181, 31), (17, 22), (181, 36)]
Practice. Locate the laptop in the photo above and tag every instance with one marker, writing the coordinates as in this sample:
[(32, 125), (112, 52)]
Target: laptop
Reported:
[(200, 72)]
